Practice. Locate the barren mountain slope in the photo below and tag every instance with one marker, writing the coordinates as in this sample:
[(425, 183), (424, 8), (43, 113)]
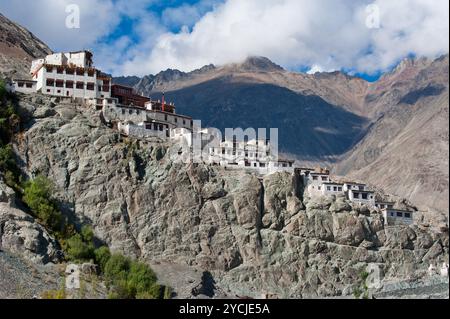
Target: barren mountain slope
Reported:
[(406, 150), (18, 47)]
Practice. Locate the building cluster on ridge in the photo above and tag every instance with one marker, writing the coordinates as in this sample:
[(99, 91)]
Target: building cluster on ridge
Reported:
[(72, 75)]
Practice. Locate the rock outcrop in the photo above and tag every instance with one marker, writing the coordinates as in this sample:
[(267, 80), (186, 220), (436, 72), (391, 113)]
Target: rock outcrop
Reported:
[(253, 235), (20, 233)]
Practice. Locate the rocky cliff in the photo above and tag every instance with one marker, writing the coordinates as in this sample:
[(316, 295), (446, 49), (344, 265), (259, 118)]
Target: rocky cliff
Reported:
[(247, 235)]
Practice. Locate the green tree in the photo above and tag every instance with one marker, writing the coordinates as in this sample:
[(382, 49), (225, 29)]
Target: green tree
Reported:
[(102, 255), (78, 249), (38, 196)]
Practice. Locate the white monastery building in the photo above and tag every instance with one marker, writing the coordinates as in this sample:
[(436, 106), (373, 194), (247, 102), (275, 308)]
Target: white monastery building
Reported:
[(69, 74)]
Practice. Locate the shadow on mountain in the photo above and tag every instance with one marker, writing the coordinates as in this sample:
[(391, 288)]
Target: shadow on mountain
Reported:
[(431, 90), (308, 126)]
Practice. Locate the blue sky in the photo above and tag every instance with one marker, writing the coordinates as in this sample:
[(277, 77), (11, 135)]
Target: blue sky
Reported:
[(138, 37)]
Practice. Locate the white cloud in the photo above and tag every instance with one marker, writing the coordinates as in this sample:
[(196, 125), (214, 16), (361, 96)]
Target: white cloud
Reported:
[(47, 20), (316, 35), (294, 33)]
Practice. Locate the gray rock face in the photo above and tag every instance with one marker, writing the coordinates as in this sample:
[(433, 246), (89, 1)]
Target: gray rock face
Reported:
[(22, 235), (253, 235)]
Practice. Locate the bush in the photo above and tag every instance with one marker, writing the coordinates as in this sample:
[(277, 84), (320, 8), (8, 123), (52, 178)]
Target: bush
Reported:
[(8, 166), (37, 195), (102, 255), (2, 90), (78, 249), (130, 279)]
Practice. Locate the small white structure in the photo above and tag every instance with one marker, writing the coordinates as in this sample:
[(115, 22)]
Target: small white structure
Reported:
[(397, 216), (314, 181), (67, 75), (114, 112), (359, 193), (331, 188), (254, 155), (444, 270), (72, 276), (383, 205), (24, 86), (144, 129)]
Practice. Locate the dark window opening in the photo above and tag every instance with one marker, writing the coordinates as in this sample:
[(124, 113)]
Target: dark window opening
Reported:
[(399, 214), (407, 215)]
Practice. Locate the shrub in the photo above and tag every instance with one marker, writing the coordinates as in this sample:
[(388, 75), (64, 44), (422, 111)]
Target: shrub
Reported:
[(8, 166), (102, 255), (2, 90), (78, 249), (54, 294), (131, 279), (88, 234), (37, 195)]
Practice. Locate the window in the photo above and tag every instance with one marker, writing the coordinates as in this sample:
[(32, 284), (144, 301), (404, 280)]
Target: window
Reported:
[(328, 188), (324, 178), (262, 164), (254, 164), (80, 72), (356, 195), (340, 189), (70, 71), (319, 188), (50, 82), (123, 111), (59, 91), (184, 122), (60, 70), (165, 117), (392, 214), (90, 86), (59, 83), (161, 127), (315, 178), (361, 188), (138, 112), (49, 69), (20, 84), (364, 196), (176, 120), (407, 215), (48, 90), (399, 214), (90, 73), (29, 85), (69, 84), (80, 85), (335, 189)]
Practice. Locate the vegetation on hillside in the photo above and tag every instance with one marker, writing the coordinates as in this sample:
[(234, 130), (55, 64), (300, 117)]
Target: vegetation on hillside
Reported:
[(9, 122), (126, 278)]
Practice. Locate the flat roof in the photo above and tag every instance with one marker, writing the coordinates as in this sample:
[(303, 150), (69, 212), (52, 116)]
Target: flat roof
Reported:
[(22, 80), (398, 210), (358, 191), (316, 173), (354, 183), (331, 183)]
